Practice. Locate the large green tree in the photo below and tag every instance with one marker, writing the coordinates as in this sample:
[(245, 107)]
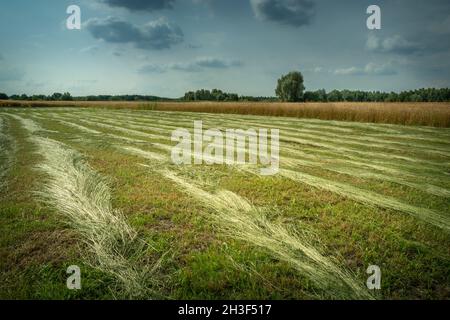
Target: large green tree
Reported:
[(290, 87)]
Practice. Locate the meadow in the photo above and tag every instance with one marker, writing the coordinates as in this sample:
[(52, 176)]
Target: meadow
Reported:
[(436, 114), (95, 187)]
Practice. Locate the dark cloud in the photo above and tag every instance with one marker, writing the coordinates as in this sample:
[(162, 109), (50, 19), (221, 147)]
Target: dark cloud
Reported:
[(193, 46), (141, 5), (194, 66), (156, 35), (291, 12), (216, 63)]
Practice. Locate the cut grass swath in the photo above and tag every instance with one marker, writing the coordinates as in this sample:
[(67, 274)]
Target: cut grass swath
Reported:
[(83, 197), (238, 219), (28, 124), (367, 197), (331, 144), (355, 193)]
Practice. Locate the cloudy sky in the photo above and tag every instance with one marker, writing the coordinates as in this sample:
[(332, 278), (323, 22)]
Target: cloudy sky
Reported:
[(167, 47)]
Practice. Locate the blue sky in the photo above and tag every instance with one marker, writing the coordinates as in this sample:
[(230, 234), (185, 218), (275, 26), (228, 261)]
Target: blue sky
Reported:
[(167, 47)]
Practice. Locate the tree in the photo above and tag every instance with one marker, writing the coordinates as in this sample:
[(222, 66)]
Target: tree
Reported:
[(56, 96), (335, 96), (290, 87), (3, 96), (66, 97)]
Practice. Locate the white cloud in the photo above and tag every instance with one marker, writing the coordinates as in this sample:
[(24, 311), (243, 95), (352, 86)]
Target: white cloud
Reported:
[(395, 44), (369, 69)]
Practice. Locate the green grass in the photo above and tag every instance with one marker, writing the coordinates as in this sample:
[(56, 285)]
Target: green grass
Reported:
[(206, 257)]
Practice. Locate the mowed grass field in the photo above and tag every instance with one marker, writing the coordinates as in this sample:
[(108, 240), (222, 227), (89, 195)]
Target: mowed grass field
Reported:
[(436, 114), (96, 188)]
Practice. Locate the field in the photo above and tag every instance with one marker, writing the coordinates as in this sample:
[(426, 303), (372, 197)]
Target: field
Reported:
[(435, 114), (96, 188)]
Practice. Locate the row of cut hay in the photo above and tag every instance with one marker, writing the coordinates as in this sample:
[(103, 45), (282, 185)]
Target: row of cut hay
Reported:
[(143, 153), (238, 219), (315, 141), (417, 140), (353, 163), (93, 131), (366, 154), (116, 126), (405, 114), (394, 176), (296, 164), (28, 124), (388, 147), (415, 167), (353, 139), (162, 137), (123, 130), (426, 139), (431, 114), (352, 171), (134, 124), (330, 124), (368, 198), (370, 155), (371, 128), (83, 197), (362, 198), (365, 197), (412, 171), (81, 128)]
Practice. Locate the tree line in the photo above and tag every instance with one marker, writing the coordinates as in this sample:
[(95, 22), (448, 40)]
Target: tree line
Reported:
[(290, 88), (419, 95), (68, 97), (219, 95)]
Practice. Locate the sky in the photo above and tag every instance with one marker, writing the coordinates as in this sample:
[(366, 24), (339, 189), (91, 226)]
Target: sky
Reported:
[(169, 47)]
